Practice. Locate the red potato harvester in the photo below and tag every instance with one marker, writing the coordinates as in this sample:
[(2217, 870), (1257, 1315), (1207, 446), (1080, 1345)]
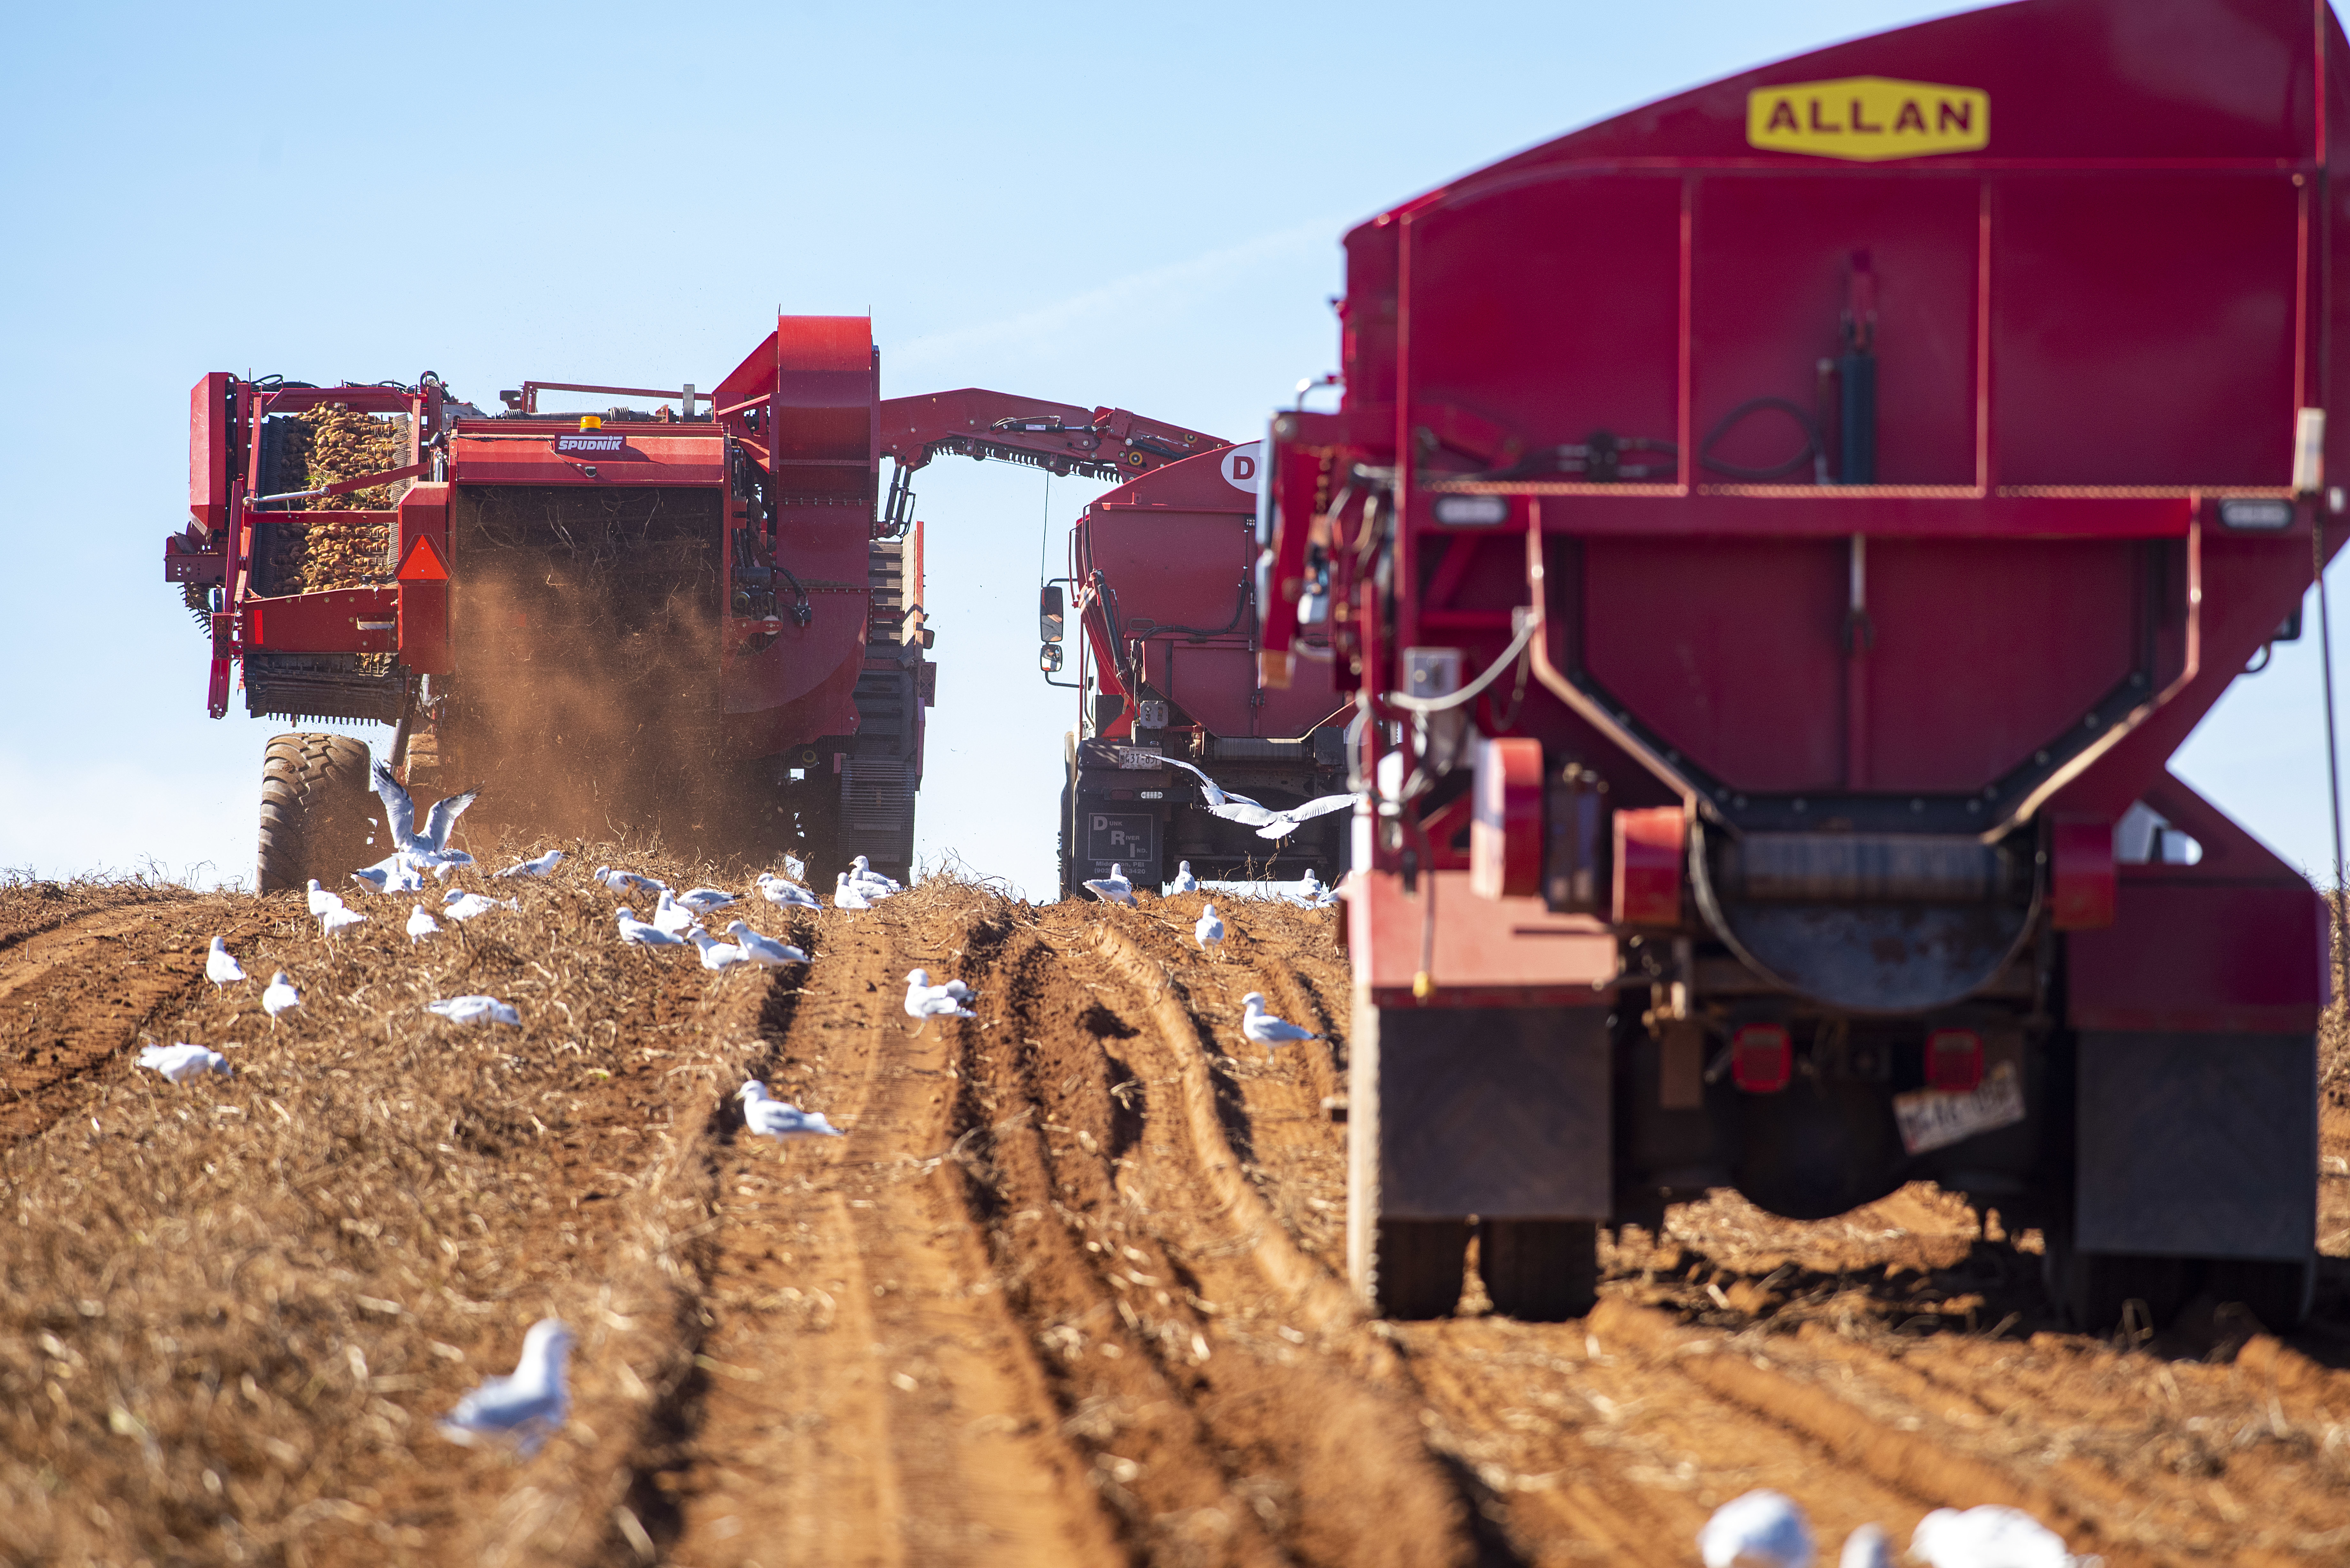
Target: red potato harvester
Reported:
[(1777, 536), (706, 620)]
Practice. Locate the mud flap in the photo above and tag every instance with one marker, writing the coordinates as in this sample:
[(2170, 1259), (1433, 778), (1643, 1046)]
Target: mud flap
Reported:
[(2197, 1145)]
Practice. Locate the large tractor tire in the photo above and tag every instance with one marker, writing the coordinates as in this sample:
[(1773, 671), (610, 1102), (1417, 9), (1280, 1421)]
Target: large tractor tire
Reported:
[(316, 811), (1419, 1267)]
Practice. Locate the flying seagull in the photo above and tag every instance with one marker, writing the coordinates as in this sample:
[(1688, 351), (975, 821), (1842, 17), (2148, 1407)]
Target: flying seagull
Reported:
[(1268, 822)]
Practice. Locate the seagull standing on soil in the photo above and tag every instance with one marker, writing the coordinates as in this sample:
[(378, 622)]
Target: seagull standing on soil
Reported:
[(525, 1408), (321, 900), (420, 924), (672, 917), (639, 933), (540, 867), (393, 874), (779, 1119), (1989, 1536), (429, 847), (475, 1010), (786, 895), (861, 870), (464, 906), (220, 965), (1113, 888), (624, 881), (182, 1062), (1866, 1548), (338, 919), (1184, 881), (1759, 1530), (702, 900), (716, 954), (1265, 1029), (281, 997), (763, 950), (1208, 930), (848, 894), (925, 1002)]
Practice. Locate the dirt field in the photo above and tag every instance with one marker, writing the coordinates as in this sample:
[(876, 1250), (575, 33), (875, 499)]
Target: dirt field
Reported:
[(1067, 1293)]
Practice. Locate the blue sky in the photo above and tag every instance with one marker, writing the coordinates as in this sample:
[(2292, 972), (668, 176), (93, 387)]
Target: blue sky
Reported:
[(1137, 206)]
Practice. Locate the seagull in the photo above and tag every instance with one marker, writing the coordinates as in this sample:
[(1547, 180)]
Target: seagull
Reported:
[(1759, 1530), (220, 965), (1866, 1548), (848, 894), (1113, 888), (786, 895), (538, 868), (672, 917), (1184, 881), (1266, 1030), (475, 1010), (622, 881), (1989, 1536), (1209, 930), (1314, 895), (765, 1117), (395, 873), (644, 935), (281, 997), (182, 1062), (336, 919), (925, 1002), (429, 847), (321, 900), (1268, 822), (861, 869), (525, 1408), (702, 900), (1217, 799), (716, 954), (420, 924), (763, 950), (461, 905)]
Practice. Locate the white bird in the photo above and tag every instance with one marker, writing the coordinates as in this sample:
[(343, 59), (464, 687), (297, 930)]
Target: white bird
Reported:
[(763, 950), (475, 1010), (1758, 1530), (461, 905), (848, 895), (925, 1002), (779, 1119), (321, 900), (182, 1062), (220, 965), (716, 954), (429, 847), (1209, 930), (525, 1409), (672, 917), (1865, 1547), (280, 997), (395, 873), (1113, 888), (1184, 881), (420, 924), (786, 895), (643, 934), (1263, 1028), (1268, 822), (336, 920), (538, 868), (861, 869), (622, 881), (702, 900), (1989, 1536)]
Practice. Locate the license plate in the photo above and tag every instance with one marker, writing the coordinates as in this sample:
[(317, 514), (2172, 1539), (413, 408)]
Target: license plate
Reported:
[(1937, 1118)]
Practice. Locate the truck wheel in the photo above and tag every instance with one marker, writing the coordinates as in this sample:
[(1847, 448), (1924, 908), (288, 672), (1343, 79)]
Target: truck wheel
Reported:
[(1540, 1270), (2279, 1292), (316, 811), (1417, 1271)]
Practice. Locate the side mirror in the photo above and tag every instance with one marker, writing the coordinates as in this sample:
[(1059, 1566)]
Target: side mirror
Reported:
[(1048, 658), (1048, 617)]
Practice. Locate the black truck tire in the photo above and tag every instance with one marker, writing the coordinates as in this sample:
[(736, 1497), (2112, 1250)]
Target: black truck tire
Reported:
[(317, 808), (1419, 1268), (1540, 1270)]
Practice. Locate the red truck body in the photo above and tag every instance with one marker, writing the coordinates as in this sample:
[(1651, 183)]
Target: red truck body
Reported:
[(1878, 461)]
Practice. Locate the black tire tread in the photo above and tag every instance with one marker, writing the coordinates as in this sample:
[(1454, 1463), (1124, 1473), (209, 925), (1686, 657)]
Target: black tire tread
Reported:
[(1540, 1270), (1419, 1267), (317, 805)]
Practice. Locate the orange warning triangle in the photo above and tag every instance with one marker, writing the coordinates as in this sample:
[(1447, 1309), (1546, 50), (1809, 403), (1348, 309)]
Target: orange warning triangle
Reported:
[(423, 564)]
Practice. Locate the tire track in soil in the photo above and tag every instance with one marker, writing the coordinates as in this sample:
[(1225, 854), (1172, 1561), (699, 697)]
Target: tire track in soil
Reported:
[(867, 1399)]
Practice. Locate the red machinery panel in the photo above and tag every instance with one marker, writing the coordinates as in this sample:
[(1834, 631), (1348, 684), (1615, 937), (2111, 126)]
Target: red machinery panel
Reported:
[(211, 436), (1505, 829)]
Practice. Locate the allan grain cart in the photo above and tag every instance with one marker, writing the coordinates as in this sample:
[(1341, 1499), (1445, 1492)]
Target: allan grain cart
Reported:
[(1160, 571), (1869, 468), (706, 619)]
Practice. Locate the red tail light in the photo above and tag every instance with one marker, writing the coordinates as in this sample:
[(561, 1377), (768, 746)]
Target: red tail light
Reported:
[(1954, 1060), (1762, 1057)]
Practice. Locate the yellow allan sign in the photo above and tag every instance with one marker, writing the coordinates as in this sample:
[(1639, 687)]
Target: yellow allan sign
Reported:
[(1867, 119)]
